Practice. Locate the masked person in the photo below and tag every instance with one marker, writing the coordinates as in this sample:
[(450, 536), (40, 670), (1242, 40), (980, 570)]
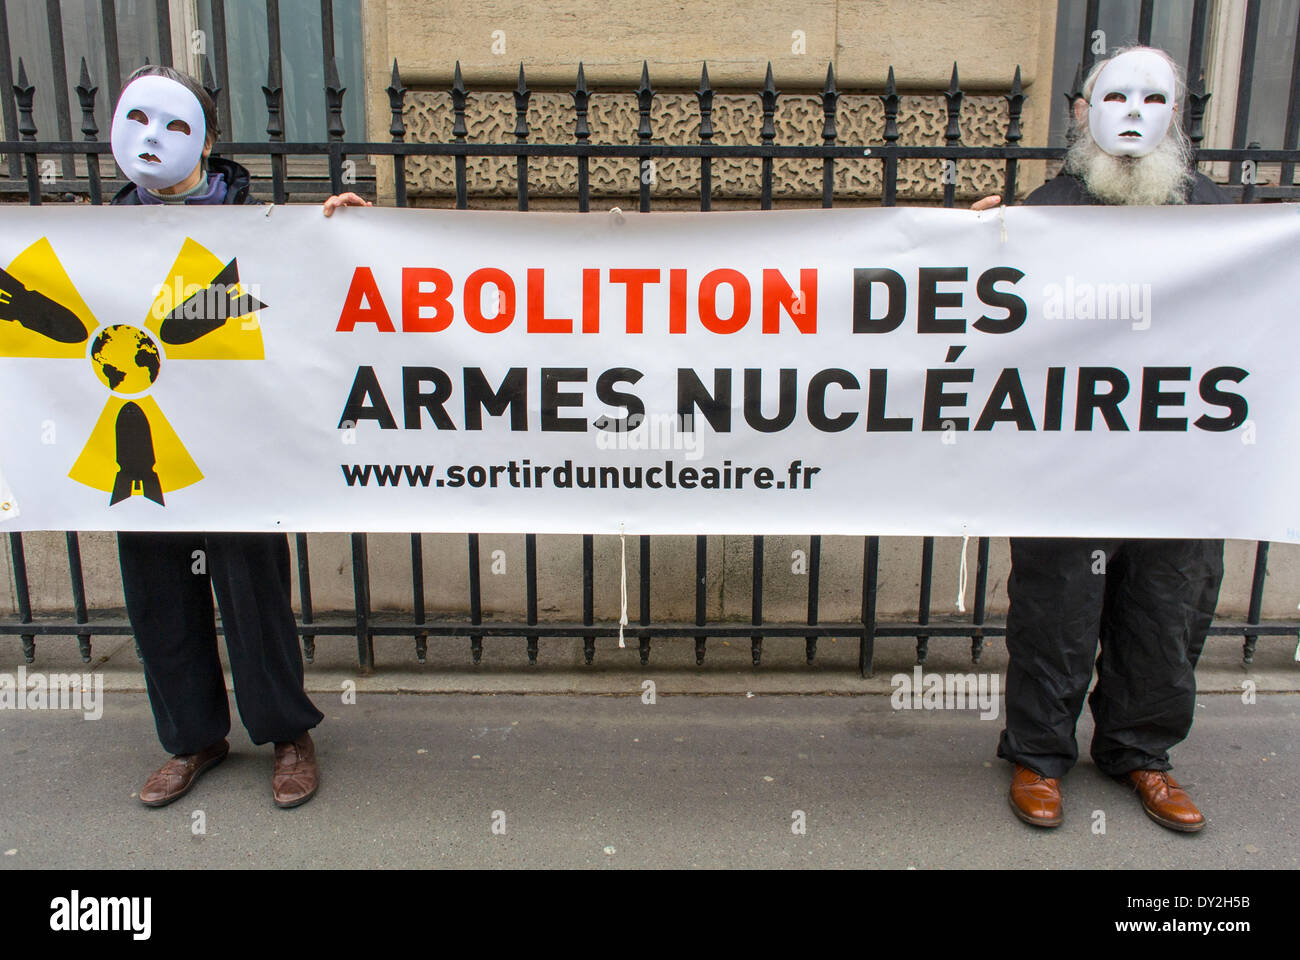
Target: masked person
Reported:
[(1148, 602), (163, 130)]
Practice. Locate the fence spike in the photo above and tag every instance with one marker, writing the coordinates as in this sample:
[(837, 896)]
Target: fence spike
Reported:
[(334, 91), (769, 96), (458, 96), (1015, 100), (581, 97), (209, 82), (396, 103), (644, 95), (953, 96), (1076, 88), (890, 100), (830, 99), (86, 94), (705, 97), (522, 95), (25, 94), (274, 97)]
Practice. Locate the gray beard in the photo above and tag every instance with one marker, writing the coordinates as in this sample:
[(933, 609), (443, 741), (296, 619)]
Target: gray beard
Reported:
[(1162, 176)]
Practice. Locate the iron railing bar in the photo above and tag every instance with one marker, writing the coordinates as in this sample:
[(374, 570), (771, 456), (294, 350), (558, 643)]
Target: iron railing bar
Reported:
[(1091, 16), (643, 570), (397, 130), (78, 582), (814, 590), (1241, 116), (530, 574), (889, 171), (830, 101), (1145, 15), (459, 131), (59, 66), (981, 599), (7, 109), (952, 137), (25, 95), (326, 32), (334, 130), (701, 580), (645, 98), (669, 151), (923, 602), (1251, 638), (344, 626), (1291, 129), (582, 133), (756, 599), (304, 598), (163, 15), (767, 135), (274, 91), (1197, 97), (475, 598), (588, 594), (112, 58), (221, 58), (704, 97), (361, 594), (18, 561), (522, 96), (90, 133), (868, 629), (417, 596)]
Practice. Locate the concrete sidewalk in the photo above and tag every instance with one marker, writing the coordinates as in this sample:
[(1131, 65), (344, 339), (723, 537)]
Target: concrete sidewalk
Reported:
[(612, 782)]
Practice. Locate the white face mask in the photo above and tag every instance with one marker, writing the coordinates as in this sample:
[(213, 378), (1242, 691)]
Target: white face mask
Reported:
[(158, 132), (1132, 104)]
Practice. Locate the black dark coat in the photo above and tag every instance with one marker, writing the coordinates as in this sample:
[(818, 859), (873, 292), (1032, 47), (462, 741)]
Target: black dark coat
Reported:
[(1067, 190)]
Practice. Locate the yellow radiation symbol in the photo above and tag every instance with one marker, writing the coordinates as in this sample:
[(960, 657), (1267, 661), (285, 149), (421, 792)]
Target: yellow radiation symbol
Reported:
[(201, 311)]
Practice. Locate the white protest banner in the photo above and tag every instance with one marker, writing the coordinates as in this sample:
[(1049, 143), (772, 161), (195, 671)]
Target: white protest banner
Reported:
[(1033, 371)]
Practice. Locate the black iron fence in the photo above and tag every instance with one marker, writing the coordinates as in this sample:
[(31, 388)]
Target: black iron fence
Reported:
[(25, 174)]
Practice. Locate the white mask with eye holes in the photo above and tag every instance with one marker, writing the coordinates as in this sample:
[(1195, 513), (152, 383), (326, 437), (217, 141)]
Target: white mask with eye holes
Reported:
[(158, 132), (1132, 104)]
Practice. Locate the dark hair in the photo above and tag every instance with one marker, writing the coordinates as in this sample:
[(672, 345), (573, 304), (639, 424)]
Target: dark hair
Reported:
[(190, 84)]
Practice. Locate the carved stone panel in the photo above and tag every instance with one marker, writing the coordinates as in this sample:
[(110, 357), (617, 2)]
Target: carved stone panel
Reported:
[(675, 119)]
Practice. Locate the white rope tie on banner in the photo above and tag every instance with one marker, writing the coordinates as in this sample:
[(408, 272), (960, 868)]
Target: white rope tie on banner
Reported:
[(622, 618), (1002, 219), (961, 573)]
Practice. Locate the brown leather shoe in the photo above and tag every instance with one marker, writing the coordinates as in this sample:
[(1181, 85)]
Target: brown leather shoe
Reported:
[(296, 775), (1165, 801), (174, 778), (1036, 799)]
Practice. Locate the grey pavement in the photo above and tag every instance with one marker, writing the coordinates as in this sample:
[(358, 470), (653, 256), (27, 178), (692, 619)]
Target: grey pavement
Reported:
[(418, 780)]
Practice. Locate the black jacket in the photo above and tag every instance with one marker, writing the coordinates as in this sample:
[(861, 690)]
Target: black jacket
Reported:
[(1067, 190), (236, 177)]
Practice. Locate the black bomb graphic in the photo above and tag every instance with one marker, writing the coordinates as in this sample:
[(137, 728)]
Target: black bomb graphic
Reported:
[(201, 311)]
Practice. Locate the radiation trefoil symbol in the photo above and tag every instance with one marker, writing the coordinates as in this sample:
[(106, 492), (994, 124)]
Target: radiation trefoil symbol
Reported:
[(201, 311)]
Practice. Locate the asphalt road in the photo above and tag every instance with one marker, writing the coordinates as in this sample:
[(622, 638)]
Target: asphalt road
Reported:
[(612, 782)]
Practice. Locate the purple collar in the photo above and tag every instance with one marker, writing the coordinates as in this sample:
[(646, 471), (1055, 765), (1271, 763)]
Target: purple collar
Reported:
[(214, 194)]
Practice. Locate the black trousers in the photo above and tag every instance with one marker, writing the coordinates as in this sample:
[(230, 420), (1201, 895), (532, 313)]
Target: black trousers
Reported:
[(170, 608), (1149, 603)]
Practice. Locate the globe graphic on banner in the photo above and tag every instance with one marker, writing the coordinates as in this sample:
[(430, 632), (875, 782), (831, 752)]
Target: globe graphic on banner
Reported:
[(125, 358)]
